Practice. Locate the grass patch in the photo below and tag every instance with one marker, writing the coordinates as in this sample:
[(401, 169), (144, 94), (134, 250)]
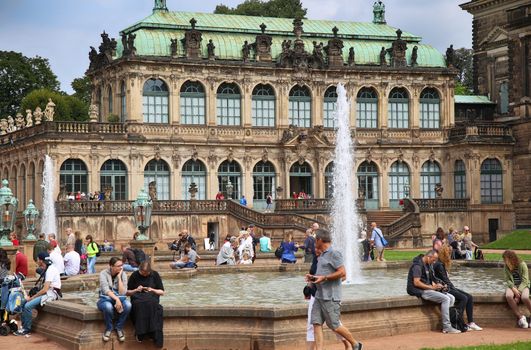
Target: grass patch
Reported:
[(408, 255), (511, 346), (518, 239)]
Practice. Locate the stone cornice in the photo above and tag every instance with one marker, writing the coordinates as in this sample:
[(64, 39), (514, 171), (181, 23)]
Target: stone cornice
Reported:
[(478, 5)]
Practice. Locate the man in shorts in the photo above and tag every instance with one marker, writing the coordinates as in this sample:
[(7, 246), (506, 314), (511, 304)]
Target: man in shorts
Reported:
[(327, 304)]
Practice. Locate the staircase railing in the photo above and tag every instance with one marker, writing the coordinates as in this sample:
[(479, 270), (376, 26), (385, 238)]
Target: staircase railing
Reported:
[(410, 220)]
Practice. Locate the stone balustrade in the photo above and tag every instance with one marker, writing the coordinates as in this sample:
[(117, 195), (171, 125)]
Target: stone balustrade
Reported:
[(480, 132), (442, 204)]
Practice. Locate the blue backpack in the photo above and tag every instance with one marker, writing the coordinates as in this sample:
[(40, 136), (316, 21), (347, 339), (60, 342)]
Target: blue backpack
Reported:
[(15, 301)]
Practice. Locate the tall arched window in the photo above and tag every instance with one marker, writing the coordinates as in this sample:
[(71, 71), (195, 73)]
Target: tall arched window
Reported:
[(157, 172), (155, 101), (192, 103), (398, 183), (368, 184), (329, 180), (109, 100), (367, 109), (491, 181), (263, 106), (194, 171), (300, 107), (229, 104), (73, 175), (123, 102), (230, 171), (263, 183), (398, 109), (459, 179), (113, 174), (329, 107), (430, 109), (430, 175), (300, 178)]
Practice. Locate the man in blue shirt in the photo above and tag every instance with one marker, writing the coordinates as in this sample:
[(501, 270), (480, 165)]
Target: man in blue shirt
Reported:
[(376, 241), (243, 201)]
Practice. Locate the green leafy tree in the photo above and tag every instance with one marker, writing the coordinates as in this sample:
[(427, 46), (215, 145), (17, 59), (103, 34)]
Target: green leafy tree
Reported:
[(463, 61), (83, 89), (19, 75), (271, 8), (67, 108)]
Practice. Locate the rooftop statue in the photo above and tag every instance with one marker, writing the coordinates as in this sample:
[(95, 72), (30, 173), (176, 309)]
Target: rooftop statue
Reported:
[(351, 57), (29, 119), (10, 124), (49, 111), (93, 113), (38, 115), (173, 47), (450, 56), (246, 51), (383, 61), (414, 56), (211, 50), (19, 121), (378, 9), (398, 51), (3, 126)]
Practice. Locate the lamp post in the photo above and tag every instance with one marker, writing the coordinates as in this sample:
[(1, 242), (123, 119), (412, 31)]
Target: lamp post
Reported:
[(229, 188), (142, 208), (8, 207), (31, 214)]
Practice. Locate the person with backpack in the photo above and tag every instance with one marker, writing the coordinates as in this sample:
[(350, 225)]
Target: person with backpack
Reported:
[(129, 259), (93, 251), (378, 241)]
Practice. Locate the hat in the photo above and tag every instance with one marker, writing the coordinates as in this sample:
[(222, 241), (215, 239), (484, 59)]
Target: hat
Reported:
[(466, 228), (43, 255), (251, 225)]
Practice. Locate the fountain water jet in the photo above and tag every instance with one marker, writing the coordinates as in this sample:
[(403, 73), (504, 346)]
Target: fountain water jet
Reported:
[(345, 222), (48, 211)]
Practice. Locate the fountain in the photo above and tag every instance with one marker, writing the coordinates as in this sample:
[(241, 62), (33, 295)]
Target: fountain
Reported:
[(48, 211), (345, 223)]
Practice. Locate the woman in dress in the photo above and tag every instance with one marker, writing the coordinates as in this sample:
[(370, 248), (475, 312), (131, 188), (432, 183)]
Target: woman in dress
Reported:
[(145, 289), (288, 250)]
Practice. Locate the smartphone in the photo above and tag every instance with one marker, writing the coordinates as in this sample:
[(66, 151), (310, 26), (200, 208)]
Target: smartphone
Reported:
[(313, 278)]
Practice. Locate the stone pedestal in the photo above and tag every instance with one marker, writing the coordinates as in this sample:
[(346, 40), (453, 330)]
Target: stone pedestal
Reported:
[(28, 245), (11, 251), (147, 246)]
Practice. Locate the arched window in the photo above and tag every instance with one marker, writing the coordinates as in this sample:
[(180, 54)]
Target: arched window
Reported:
[(109, 100), (73, 175), (229, 104), (430, 109), (123, 103), (113, 174), (398, 183), (300, 178), (398, 109), (263, 183), (230, 171), (491, 181), (459, 179), (194, 171), (368, 185), (263, 106), (367, 109), (329, 107), (329, 180), (155, 101), (300, 107), (430, 175), (192, 103), (157, 172)]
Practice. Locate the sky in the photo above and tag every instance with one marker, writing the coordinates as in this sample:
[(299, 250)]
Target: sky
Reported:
[(64, 30)]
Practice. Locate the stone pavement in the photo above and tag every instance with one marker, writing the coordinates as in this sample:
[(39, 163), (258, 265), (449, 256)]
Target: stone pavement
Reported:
[(413, 341)]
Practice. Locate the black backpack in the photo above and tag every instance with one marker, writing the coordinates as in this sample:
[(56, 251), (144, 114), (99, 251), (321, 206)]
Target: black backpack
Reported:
[(140, 256), (99, 249), (456, 319), (279, 251)]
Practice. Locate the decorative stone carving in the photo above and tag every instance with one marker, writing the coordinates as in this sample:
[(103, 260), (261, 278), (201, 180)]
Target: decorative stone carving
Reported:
[(334, 50), (248, 160), (398, 51), (400, 156), (262, 45), (62, 195), (176, 159), (107, 50), (297, 57), (351, 57), (230, 155), (192, 42), (3, 126), (153, 190), (212, 158), (368, 156), (246, 51), (10, 124), (194, 153), (438, 190), (93, 113), (265, 155), (416, 160), (450, 56), (211, 50), (49, 111), (378, 10), (432, 156), (414, 56), (19, 121), (173, 47), (38, 115), (317, 55), (29, 118), (289, 134), (383, 61), (193, 190)]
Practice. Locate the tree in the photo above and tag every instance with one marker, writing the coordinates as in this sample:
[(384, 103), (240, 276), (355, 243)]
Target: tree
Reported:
[(463, 62), (83, 89), (18, 76), (67, 108), (271, 8)]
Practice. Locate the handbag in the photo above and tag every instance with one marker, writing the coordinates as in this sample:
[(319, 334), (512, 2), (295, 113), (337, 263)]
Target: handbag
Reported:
[(384, 241)]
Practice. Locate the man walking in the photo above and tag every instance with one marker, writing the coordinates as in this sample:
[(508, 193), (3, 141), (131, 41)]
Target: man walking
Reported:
[(376, 241), (327, 304)]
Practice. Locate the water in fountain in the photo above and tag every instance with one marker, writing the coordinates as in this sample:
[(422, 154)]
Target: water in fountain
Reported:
[(48, 185), (345, 223)]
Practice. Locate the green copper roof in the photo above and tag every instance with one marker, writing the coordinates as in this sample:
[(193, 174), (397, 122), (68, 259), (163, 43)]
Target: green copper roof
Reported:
[(472, 99), (228, 33)]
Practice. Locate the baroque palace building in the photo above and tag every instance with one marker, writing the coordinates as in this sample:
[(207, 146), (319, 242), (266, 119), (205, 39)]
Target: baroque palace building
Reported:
[(209, 99)]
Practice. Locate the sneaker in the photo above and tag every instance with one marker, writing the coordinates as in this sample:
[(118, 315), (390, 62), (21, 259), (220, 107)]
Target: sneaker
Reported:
[(451, 330), (106, 336), (121, 335), (522, 322), (472, 326), (358, 346), (22, 331)]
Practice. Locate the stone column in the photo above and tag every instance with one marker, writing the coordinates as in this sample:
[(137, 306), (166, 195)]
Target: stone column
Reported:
[(383, 101), (28, 245), (210, 107), (11, 251), (246, 107), (174, 117), (317, 106), (473, 180), (212, 182), (283, 107), (414, 187), (384, 187), (414, 108), (134, 99), (247, 186)]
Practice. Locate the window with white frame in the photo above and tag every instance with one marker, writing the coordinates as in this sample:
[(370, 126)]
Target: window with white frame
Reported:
[(229, 105), (263, 106), (192, 103), (300, 107), (155, 101)]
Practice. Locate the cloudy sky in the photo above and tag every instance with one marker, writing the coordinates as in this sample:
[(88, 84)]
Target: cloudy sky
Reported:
[(63, 30)]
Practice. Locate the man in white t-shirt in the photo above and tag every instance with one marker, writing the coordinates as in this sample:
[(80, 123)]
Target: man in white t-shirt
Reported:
[(57, 259), (50, 291), (72, 261)]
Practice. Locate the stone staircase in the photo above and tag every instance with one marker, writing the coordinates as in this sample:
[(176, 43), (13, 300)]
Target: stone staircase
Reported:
[(383, 218)]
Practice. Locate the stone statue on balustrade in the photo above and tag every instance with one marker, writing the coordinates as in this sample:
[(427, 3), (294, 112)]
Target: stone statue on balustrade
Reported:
[(19, 121), (211, 50), (10, 124), (3, 126), (107, 193), (351, 57), (193, 190), (62, 195), (29, 118), (414, 56), (246, 51), (49, 111), (438, 190), (37, 115), (383, 61), (152, 187), (93, 113)]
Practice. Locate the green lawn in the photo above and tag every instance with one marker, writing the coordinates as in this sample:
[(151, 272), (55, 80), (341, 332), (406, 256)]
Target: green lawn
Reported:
[(518, 239), (406, 255), (512, 346)]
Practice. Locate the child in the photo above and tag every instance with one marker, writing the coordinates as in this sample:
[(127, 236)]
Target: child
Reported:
[(246, 259)]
